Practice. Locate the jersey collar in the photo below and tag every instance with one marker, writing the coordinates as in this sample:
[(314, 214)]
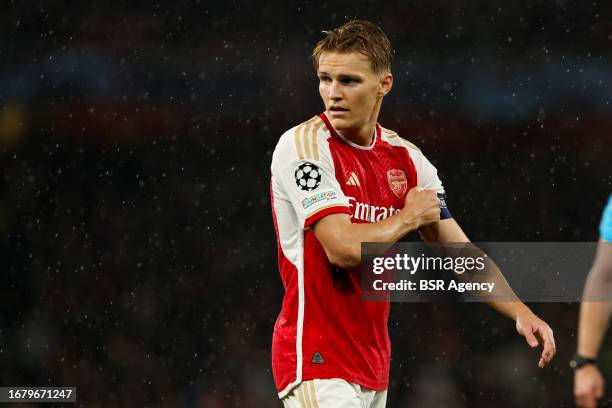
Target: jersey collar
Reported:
[(337, 135)]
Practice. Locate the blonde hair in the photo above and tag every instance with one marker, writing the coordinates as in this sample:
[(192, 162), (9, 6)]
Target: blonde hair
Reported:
[(359, 36)]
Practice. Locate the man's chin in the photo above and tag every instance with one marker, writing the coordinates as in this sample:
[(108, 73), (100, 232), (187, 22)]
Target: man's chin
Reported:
[(339, 123)]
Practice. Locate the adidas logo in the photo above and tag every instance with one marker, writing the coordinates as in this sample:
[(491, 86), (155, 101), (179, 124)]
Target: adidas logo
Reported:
[(317, 358), (353, 180)]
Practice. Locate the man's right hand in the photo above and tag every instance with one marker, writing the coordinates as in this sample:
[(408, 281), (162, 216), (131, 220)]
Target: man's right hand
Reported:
[(421, 207), (588, 386)]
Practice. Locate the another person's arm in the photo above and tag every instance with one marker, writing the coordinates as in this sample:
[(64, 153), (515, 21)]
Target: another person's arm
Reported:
[(595, 312)]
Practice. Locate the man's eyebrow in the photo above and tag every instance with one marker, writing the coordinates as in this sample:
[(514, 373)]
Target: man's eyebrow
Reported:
[(341, 75), (349, 76)]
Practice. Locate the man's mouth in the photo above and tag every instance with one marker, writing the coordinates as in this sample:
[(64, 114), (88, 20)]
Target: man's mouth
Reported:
[(337, 109)]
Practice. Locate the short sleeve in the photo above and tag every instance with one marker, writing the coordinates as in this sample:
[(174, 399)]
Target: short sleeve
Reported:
[(427, 174), (427, 177), (308, 183), (605, 227)]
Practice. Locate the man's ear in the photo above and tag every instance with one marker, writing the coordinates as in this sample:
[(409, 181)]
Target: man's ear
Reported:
[(386, 83)]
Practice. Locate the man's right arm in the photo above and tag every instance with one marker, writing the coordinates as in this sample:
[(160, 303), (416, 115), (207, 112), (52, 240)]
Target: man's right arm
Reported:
[(595, 312), (596, 309), (342, 239)]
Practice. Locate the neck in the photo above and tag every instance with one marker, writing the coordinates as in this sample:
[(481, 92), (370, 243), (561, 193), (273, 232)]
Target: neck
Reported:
[(364, 135)]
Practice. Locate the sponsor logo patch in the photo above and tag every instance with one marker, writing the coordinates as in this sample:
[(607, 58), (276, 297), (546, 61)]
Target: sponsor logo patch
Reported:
[(368, 212), (318, 198)]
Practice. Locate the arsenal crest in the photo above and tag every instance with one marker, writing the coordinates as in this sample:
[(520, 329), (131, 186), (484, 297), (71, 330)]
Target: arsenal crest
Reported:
[(398, 182)]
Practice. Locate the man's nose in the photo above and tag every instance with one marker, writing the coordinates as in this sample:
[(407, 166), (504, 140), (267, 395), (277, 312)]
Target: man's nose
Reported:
[(334, 91)]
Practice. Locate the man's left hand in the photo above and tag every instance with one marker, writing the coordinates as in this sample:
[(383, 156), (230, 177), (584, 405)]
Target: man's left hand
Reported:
[(536, 331)]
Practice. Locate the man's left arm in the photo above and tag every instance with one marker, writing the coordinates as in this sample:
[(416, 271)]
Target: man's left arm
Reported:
[(534, 329)]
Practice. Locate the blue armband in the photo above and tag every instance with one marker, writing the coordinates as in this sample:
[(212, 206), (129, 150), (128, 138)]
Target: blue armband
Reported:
[(605, 228), (444, 213)]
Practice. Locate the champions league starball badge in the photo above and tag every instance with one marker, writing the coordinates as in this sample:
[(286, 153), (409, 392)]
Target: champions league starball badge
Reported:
[(307, 176)]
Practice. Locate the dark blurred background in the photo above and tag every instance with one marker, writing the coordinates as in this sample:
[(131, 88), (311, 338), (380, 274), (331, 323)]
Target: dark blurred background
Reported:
[(138, 253)]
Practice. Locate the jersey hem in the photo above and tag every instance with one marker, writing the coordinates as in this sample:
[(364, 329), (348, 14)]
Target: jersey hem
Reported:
[(355, 380), (282, 394)]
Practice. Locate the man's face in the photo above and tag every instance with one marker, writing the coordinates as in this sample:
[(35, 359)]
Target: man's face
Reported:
[(349, 88)]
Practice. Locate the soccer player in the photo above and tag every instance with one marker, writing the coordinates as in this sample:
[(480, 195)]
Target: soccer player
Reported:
[(595, 313), (340, 179)]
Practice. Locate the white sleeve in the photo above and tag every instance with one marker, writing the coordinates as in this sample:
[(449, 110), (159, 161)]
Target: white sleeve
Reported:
[(308, 183), (427, 174), (427, 177)]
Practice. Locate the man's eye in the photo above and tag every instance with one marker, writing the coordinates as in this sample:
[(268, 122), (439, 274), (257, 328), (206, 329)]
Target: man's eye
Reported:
[(348, 81), (325, 79)]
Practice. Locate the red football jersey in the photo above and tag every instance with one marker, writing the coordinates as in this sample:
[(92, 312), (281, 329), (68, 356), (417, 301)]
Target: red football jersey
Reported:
[(324, 329)]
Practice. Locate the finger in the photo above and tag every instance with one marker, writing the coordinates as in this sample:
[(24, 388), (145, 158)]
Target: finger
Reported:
[(544, 359), (586, 400), (530, 338), (590, 401), (581, 400), (552, 338), (548, 350), (599, 390), (543, 333), (577, 398)]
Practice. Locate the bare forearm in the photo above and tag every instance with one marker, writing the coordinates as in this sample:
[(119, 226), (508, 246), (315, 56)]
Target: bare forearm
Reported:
[(528, 324), (342, 239), (507, 302), (388, 230), (346, 249), (596, 309), (510, 309), (594, 318), (448, 231)]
